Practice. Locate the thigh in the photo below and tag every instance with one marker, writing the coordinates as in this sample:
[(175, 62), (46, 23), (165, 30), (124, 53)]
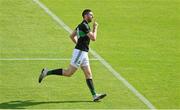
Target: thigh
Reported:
[(76, 58), (85, 61)]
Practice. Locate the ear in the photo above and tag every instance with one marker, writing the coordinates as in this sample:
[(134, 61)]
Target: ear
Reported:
[(85, 16)]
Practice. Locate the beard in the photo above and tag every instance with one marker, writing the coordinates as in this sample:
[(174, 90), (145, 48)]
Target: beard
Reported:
[(89, 20)]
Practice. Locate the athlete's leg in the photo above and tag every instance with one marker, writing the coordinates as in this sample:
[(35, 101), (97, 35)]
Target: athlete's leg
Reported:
[(63, 72), (89, 80), (76, 57)]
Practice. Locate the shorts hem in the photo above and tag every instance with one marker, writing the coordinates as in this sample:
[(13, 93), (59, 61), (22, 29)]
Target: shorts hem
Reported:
[(74, 65)]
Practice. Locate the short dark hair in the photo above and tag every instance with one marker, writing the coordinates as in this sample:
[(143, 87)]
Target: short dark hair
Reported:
[(86, 11)]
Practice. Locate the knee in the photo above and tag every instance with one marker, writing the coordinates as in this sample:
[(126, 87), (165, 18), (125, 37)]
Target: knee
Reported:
[(70, 73)]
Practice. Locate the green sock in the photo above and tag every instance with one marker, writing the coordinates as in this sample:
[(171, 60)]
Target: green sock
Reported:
[(91, 86)]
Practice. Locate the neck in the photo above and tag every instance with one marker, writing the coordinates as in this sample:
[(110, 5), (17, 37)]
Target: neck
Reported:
[(85, 20)]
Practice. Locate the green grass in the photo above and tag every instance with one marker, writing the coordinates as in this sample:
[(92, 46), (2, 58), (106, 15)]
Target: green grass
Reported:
[(139, 38)]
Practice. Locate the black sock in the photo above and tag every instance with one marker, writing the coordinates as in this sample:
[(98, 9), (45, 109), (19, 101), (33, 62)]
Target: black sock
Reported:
[(91, 86), (55, 72)]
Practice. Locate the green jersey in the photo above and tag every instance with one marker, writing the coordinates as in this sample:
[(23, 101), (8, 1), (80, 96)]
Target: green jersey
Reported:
[(83, 40)]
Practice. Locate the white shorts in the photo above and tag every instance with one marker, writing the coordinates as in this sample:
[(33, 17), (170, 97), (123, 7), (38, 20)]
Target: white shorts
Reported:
[(79, 58)]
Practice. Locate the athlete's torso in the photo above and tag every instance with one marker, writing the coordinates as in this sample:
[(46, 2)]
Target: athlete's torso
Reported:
[(83, 40)]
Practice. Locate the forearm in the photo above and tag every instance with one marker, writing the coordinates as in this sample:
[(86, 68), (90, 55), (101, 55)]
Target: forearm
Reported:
[(95, 32), (74, 39)]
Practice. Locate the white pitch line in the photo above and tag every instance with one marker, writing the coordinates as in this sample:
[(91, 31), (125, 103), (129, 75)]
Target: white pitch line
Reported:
[(96, 55), (39, 59)]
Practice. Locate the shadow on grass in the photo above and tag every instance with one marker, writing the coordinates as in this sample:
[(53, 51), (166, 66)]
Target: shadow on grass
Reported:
[(24, 104)]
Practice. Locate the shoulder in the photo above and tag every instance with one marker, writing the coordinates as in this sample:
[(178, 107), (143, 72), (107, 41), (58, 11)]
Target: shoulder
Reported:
[(84, 25)]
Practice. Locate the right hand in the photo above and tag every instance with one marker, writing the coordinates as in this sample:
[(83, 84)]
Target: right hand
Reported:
[(95, 24)]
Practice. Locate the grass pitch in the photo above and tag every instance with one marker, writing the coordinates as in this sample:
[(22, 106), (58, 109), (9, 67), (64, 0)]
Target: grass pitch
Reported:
[(139, 38)]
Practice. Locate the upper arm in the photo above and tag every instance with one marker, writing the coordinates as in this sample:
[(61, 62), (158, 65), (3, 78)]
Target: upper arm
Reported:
[(87, 31), (85, 28), (73, 36)]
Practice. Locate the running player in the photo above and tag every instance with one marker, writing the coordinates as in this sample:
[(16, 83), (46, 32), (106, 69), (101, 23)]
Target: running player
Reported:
[(81, 36)]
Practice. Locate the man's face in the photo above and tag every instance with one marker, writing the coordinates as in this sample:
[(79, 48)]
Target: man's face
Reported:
[(89, 16)]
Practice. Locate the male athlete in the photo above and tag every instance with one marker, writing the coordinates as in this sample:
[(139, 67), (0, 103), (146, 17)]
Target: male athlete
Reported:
[(81, 36)]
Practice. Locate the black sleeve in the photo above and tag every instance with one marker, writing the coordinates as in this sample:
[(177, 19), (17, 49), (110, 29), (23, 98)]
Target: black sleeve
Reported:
[(85, 28)]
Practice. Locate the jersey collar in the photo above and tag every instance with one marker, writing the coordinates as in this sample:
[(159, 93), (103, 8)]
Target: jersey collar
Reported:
[(85, 21)]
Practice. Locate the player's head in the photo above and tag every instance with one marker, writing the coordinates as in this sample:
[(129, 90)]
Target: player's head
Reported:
[(87, 15)]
